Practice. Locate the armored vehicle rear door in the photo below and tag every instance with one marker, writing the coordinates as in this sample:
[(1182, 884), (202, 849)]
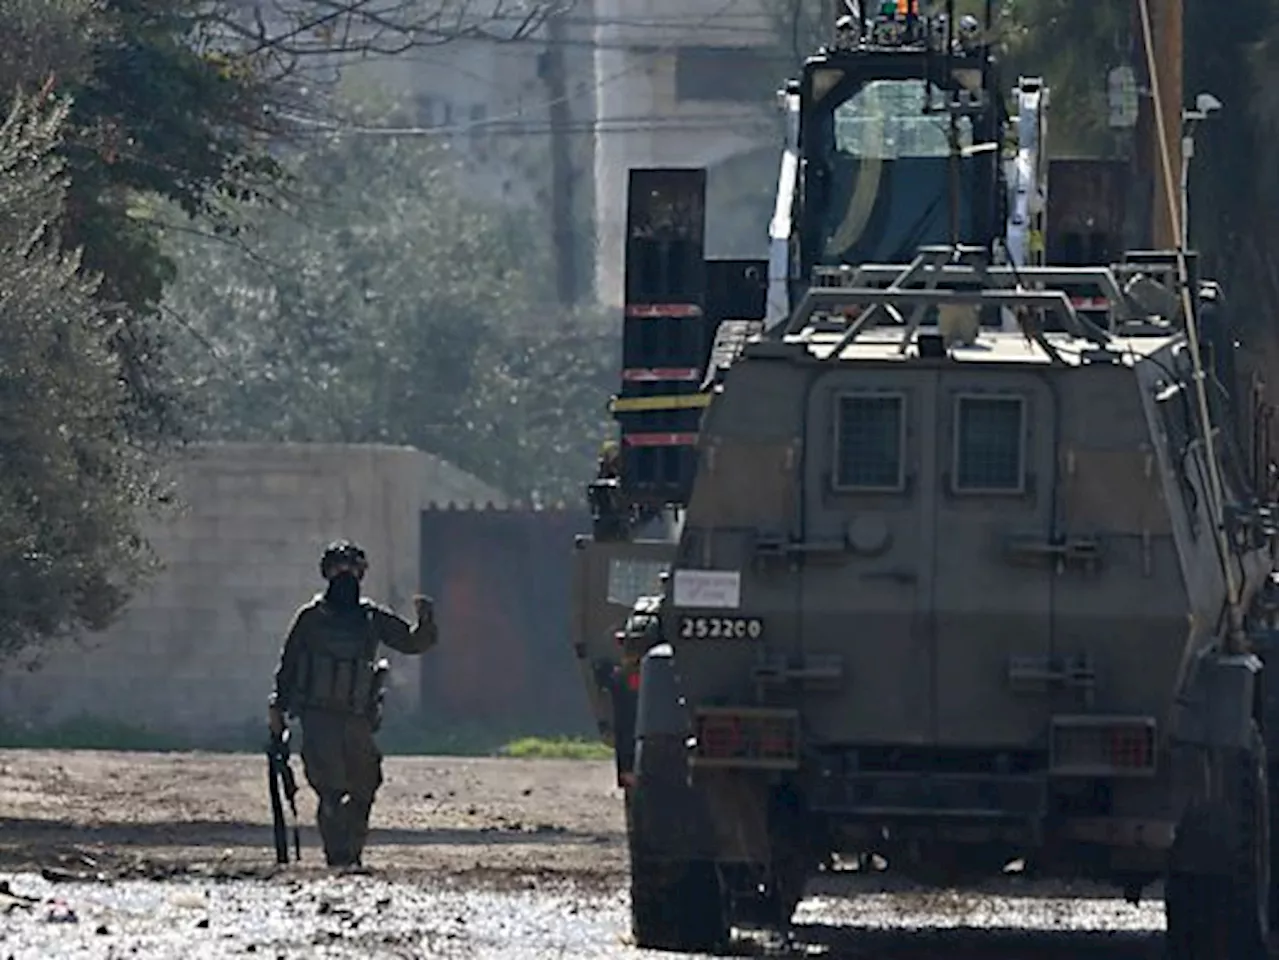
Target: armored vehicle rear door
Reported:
[(924, 488), (867, 534), (992, 571)]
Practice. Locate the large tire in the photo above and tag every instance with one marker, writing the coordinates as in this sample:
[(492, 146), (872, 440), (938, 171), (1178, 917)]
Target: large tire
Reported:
[(677, 902), (1224, 912), (677, 906), (793, 852)]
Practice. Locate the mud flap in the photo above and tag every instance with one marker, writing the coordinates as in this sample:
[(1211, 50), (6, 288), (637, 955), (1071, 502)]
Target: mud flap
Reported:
[(670, 818), (1216, 708), (660, 711), (1215, 893)]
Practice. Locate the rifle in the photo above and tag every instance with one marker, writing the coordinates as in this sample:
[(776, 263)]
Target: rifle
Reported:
[(280, 774)]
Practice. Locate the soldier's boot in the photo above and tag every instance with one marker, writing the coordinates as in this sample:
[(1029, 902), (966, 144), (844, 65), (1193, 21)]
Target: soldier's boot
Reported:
[(358, 811), (332, 819)]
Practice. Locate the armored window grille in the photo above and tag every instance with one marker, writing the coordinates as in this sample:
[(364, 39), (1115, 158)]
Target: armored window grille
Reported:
[(630, 579), (989, 455), (869, 442)]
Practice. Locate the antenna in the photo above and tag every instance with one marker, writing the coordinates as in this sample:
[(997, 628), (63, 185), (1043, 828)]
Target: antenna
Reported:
[(953, 133), (853, 12)]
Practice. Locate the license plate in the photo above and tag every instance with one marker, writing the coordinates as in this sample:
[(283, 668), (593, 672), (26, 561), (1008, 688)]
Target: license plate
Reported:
[(721, 628)]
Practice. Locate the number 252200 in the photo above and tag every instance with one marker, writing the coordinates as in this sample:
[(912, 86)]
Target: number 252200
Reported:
[(721, 628)]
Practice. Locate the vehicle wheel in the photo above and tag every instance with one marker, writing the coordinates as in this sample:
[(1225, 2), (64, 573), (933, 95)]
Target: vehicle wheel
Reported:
[(793, 855), (677, 901), (1225, 912), (677, 906)]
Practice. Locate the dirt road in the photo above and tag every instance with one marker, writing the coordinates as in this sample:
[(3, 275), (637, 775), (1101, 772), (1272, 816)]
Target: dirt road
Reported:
[(448, 817), (167, 856)]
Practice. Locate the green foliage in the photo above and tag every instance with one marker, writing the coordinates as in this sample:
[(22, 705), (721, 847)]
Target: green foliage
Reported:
[(1231, 52), (1073, 46), (382, 305), (419, 736), (92, 733), (163, 113), (454, 739), (46, 39), (69, 551), (557, 748)]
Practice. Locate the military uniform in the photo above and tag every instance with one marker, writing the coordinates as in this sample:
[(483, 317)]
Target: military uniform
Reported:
[(330, 678)]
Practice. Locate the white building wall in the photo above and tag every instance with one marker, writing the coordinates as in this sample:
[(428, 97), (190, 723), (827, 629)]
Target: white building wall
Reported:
[(642, 122), (486, 101), (192, 656)]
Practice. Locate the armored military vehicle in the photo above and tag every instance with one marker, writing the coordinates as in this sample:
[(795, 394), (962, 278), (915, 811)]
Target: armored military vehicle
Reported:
[(959, 560)]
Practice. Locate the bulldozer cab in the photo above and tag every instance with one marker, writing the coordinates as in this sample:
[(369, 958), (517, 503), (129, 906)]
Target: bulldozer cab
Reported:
[(895, 154)]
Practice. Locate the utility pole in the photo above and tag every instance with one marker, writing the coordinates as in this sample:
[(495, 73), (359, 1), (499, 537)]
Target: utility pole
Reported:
[(1166, 39), (562, 186)]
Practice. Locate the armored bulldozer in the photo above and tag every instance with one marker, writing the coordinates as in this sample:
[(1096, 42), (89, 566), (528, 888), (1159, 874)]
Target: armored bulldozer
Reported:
[(941, 538)]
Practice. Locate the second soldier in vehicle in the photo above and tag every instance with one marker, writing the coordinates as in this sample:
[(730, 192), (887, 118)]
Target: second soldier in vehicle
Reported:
[(330, 677)]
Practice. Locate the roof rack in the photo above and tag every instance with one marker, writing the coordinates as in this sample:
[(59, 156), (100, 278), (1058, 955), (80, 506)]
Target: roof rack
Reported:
[(1132, 297)]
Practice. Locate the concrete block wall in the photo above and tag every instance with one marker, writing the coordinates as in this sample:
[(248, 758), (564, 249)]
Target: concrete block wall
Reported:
[(194, 653)]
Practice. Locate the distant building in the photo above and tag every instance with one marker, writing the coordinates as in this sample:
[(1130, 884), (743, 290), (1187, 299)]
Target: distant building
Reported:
[(686, 83), (517, 114), (552, 123), (487, 102)]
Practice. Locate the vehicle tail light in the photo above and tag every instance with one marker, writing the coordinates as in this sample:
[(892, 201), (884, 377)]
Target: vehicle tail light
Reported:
[(1085, 746), (748, 737)]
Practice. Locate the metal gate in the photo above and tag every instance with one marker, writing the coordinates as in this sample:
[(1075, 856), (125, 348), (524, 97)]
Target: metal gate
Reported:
[(500, 579)]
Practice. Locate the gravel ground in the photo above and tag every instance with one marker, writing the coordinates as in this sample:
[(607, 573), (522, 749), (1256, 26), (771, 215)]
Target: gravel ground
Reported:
[(168, 856), (351, 917)]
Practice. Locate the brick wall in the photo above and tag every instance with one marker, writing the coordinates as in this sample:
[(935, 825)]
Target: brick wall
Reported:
[(193, 654)]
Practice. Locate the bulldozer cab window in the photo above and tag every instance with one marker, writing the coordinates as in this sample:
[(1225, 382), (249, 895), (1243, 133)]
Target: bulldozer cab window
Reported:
[(882, 169), (884, 121)]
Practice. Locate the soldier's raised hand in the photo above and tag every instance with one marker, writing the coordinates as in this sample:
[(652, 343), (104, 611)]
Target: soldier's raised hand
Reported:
[(424, 607)]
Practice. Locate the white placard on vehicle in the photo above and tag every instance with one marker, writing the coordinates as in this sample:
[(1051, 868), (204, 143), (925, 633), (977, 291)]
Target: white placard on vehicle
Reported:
[(710, 589)]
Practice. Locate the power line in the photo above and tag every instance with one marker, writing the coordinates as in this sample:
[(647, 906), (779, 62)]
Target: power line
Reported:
[(630, 124), (598, 85)]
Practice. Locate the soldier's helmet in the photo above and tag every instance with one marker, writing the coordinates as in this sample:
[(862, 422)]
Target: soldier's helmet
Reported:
[(343, 553)]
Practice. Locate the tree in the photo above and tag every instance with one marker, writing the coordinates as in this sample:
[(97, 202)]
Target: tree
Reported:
[(161, 105), (381, 305), (1099, 37), (1231, 52), (185, 100), (293, 31), (69, 547)]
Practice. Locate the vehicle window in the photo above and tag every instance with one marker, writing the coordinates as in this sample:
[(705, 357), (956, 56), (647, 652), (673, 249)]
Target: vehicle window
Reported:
[(989, 455), (630, 579), (869, 442), (885, 119)]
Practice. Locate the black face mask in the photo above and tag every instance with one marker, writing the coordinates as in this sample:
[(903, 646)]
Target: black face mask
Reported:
[(344, 590)]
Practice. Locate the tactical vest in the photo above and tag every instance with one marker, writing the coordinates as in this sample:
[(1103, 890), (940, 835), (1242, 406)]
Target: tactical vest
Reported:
[(337, 670)]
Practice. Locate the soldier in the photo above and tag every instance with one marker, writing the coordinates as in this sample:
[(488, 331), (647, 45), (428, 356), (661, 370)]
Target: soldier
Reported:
[(330, 678), (609, 519)]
